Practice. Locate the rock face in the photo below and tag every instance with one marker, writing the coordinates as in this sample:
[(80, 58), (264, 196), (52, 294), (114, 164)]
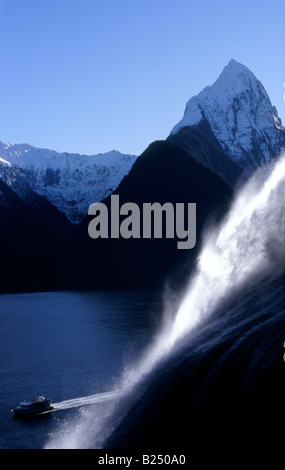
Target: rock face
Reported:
[(241, 117), (206, 398)]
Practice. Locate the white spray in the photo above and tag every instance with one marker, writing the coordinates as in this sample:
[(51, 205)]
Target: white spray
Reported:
[(249, 244)]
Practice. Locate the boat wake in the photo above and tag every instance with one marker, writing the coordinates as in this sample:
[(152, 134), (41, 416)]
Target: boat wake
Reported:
[(88, 400)]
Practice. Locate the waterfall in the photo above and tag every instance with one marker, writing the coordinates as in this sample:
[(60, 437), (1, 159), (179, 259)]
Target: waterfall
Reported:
[(249, 244), (246, 247)]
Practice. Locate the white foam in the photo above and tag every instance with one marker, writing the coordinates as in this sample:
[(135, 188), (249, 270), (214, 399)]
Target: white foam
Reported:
[(88, 400)]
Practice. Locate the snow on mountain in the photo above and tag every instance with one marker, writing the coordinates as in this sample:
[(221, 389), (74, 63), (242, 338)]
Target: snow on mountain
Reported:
[(71, 182), (241, 116)]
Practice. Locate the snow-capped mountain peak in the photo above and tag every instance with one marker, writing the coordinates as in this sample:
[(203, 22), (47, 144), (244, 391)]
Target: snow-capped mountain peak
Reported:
[(22, 155), (240, 114), (71, 182)]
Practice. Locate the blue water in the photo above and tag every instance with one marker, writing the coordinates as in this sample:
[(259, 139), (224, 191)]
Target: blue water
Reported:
[(67, 345)]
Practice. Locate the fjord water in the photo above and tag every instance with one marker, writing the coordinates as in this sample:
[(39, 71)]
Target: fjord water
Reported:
[(84, 348), (233, 308), (71, 346)]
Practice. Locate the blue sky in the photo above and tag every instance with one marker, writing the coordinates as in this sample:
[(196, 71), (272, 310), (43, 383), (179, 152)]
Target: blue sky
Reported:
[(89, 76)]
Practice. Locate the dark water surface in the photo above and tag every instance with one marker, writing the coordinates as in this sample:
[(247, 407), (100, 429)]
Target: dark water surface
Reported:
[(66, 345)]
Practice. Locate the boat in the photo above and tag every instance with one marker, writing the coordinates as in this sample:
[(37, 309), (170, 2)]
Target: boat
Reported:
[(40, 405)]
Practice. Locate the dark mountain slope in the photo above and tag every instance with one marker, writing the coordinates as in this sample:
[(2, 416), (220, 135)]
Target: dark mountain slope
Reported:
[(201, 143), (32, 234), (163, 173)]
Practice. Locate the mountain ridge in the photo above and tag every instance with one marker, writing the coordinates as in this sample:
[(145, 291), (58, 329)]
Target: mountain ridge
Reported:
[(235, 114), (71, 182), (45, 196)]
